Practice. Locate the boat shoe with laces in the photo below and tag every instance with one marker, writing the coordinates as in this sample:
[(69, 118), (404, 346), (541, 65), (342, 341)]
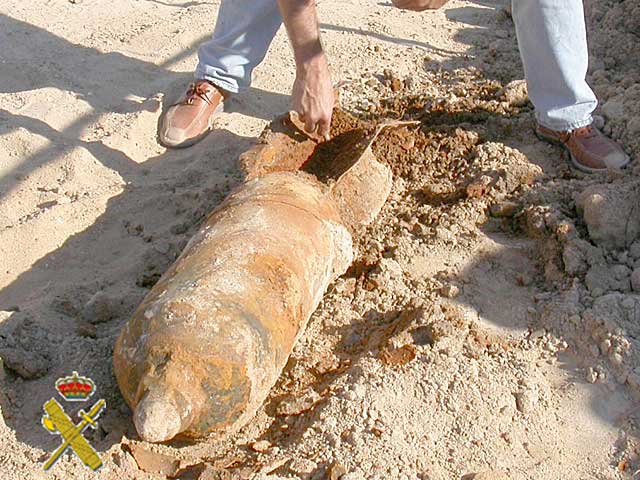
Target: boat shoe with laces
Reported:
[(191, 119), (590, 150)]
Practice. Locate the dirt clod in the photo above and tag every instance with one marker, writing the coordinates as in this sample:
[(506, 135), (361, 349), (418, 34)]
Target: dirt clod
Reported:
[(611, 214), (153, 462), (261, 446), (336, 471), (100, 308)]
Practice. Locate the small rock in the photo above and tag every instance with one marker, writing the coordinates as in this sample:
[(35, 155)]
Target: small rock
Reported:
[(592, 376), (515, 93), (27, 365), (534, 224), (359, 390), (614, 108), (396, 85), (574, 257), (449, 290), (504, 209), (261, 446), (633, 127), (153, 462), (536, 334), (134, 229), (620, 272), (352, 476), (303, 465), (610, 214), (409, 82), (212, 473), (63, 304), (27, 350), (623, 256), (123, 459), (526, 400), (399, 356), (605, 345), (616, 359), (85, 329), (635, 280), (162, 246), (479, 187), (100, 308), (296, 404), (179, 228), (445, 234), (598, 122), (336, 471), (390, 267), (152, 265), (598, 280)]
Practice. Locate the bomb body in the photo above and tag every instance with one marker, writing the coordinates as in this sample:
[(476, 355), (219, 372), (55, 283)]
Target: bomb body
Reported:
[(208, 342), (212, 336)]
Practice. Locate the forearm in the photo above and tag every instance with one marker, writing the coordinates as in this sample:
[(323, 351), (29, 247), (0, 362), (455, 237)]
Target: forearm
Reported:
[(312, 93), (301, 21)]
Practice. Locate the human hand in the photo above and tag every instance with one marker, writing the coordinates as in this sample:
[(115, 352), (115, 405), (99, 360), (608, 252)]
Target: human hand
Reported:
[(313, 97), (418, 5)]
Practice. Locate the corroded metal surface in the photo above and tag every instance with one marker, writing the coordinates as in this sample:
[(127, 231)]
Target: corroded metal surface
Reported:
[(211, 338)]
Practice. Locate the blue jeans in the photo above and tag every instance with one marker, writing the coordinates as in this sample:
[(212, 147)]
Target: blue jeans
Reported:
[(551, 37)]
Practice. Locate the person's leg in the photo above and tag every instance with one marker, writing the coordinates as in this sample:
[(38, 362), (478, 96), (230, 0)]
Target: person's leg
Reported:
[(552, 39), (553, 45), (243, 33)]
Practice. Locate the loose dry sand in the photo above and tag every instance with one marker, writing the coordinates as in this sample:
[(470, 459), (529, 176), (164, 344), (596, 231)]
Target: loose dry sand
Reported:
[(489, 328)]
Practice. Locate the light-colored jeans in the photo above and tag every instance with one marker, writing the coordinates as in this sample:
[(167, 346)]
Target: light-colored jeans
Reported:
[(551, 36)]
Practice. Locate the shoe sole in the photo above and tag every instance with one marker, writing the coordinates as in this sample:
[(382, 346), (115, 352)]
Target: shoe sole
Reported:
[(192, 141), (574, 161)]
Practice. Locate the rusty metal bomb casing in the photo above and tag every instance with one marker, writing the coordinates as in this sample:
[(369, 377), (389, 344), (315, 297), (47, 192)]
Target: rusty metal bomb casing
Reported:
[(211, 338)]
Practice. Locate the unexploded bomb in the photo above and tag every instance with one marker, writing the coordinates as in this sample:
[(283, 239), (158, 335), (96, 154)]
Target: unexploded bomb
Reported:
[(211, 338)]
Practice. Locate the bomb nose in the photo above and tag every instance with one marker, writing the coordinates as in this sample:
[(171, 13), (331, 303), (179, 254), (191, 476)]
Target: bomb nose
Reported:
[(157, 418)]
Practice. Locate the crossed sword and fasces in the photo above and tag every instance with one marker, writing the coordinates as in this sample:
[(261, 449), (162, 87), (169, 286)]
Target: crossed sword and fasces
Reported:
[(58, 422)]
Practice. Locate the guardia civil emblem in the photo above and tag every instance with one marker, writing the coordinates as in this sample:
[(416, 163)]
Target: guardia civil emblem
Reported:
[(73, 388)]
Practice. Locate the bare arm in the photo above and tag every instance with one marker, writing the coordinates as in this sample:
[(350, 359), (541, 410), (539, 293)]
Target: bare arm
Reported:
[(312, 93)]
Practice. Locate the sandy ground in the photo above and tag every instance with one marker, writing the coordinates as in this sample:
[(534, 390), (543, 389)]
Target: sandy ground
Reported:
[(518, 303)]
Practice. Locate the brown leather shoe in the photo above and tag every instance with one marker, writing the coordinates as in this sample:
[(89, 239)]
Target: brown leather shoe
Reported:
[(190, 120), (590, 150)]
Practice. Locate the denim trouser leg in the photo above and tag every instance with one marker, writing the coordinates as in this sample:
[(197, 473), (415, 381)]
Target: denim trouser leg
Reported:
[(243, 33), (553, 46), (551, 36)]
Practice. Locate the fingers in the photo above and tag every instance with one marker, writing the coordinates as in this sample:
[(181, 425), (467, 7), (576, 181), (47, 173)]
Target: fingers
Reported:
[(309, 123), (316, 126), (313, 99), (323, 128)]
